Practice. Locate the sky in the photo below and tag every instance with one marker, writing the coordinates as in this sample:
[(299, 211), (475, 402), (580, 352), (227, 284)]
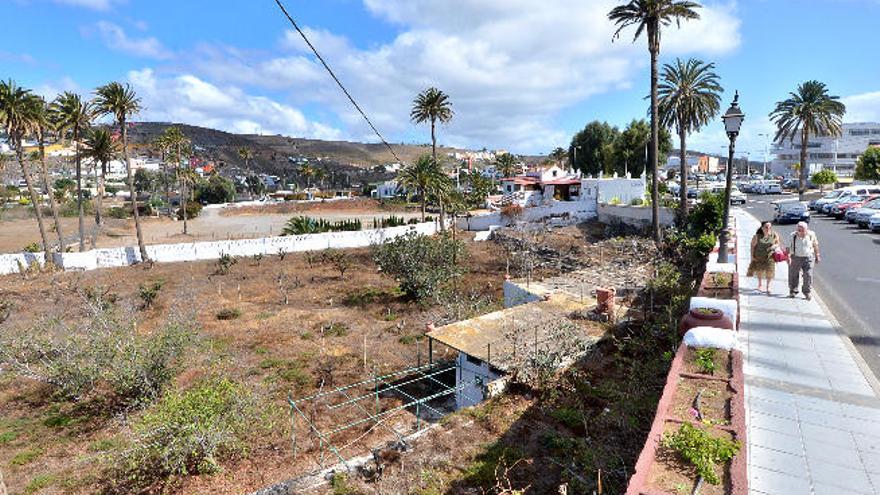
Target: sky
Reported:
[(522, 75)]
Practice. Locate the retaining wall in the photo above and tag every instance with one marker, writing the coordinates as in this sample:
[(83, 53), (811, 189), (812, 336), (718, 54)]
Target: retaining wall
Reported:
[(195, 251)]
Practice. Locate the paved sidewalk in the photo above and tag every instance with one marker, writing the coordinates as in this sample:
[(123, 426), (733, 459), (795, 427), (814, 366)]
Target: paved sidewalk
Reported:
[(813, 416)]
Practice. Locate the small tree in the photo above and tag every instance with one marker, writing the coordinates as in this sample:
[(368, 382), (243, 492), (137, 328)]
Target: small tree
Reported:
[(868, 165), (422, 265), (824, 177)]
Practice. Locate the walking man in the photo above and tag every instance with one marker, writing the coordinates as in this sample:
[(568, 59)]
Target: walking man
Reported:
[(804, 250)]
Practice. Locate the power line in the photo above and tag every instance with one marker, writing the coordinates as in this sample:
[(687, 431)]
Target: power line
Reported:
[(338, 82)]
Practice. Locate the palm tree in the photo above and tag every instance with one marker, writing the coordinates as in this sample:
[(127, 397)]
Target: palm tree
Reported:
[(122, 102), (689, 97), (431, 105), (74, 115), (308, 172), (16, 116), (42, 124), (506, 164), (187, 178), (423, 176), (179, 146), (101, 149), (559, 155), (649, 16), (809, 111), (246, 154)]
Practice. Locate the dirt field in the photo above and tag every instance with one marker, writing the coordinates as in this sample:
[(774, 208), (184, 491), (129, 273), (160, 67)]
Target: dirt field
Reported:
[(268, 340), (212, 224)]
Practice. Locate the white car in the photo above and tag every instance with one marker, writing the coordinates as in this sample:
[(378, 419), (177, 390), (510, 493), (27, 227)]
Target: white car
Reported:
[(736, 196), (874, 223)]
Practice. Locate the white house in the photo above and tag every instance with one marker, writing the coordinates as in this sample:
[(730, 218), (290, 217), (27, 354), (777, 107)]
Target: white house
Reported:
[(623, 190), (387, 189)]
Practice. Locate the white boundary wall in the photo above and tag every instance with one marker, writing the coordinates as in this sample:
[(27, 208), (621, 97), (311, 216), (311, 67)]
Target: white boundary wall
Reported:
[(562, 212), (635, 216), (195, 251)]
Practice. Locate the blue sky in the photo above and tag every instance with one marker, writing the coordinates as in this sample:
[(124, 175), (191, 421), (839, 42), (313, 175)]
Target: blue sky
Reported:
[(522, 75)]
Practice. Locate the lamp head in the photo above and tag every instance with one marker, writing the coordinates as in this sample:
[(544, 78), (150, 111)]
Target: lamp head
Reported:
[(733, 117)]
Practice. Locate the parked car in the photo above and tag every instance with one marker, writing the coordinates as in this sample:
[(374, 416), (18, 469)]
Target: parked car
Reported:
[(840, 208), (830, 196), (791, 210), (826, 208), (736, 196), (874, 223), (864, 213)]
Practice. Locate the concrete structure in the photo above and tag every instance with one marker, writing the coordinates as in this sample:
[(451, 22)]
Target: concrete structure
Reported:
[(388, 189), (812, 406), (838, 154), (619, 190), (703, 164)]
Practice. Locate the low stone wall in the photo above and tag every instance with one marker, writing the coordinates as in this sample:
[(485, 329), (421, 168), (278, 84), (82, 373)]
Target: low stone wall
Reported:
[(634, 216), (196, 251)]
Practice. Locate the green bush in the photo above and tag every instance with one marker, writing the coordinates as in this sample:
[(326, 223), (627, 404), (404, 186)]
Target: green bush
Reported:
[(148, 292), (707, 216), (422, 265), (699, 448), (33, 247), (119, 212), (307, 225), (229, 314), (391, 221), (188, 432), (705, 360), (193, 209), (102, 352)]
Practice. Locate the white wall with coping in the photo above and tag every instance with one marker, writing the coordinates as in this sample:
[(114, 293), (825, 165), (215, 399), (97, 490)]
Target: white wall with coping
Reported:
[(196, 251), (560, 212), (624, 189), (635, 216), (516, 294)]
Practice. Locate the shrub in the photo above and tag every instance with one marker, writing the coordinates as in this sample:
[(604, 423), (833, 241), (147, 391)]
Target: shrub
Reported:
[(188, 432), (103, 352), (193, 209), (391, 221), (33, 247), (707, 216), (701, 449), (705, 360), (119, 212), (228, 314), (511, 212), (422, 265), (307, 225), (225, 263), (340, 261), (148, 292), (637, 202)]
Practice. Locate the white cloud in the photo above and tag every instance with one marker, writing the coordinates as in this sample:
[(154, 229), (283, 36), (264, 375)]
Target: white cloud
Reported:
[(91, 4), (116, 39), (51, 89), (863, 107), (510, 69), (189, 99)]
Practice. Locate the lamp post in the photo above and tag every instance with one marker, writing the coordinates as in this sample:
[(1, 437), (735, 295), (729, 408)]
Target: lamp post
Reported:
[(733, 119)]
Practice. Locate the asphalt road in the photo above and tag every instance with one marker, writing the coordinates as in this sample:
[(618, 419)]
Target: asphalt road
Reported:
[(847, 279)]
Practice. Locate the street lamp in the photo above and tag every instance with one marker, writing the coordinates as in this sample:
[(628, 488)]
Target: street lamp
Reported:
[(733, 119)]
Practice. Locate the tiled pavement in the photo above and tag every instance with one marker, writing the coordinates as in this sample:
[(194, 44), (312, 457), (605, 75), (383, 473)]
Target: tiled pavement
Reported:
[(813, 416)]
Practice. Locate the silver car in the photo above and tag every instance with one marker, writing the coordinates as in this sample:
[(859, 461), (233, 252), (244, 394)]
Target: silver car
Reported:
[(864, 214)]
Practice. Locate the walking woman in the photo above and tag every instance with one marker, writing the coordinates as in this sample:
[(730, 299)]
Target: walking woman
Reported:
[(763, 266)]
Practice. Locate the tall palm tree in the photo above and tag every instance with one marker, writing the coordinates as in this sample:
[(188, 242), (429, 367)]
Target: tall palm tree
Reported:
[(431, 105), (422, 176), (179, 146), (246, 154), (101, 149), (42, 126), (187, 178), (121, 101), (689, 97), (649, 16), (16, 116), (506, 164), (75, 116), (809, 111), (308, 172), (161, 143)]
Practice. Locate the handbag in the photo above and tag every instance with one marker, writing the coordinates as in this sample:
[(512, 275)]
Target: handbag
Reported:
[(780, 255)]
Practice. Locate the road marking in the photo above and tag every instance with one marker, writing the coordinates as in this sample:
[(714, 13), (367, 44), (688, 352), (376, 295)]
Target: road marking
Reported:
[(869, 280)]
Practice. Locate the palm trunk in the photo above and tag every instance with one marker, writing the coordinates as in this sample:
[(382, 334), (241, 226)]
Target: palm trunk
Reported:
[(79, 192), (434, 155), (683, 173), (134, 205), (424, 203), (183, 195), (802, 173), (35, 201), (655, 187), (45, 171), (167, 183), (99, 206)]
